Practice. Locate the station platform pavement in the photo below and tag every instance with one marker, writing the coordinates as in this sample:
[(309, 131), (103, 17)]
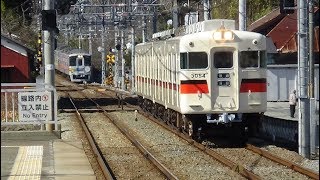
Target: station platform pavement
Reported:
[(281, 110), (37, 155)]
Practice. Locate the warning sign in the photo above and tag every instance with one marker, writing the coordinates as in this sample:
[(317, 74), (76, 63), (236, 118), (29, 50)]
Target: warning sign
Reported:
[(34, 106)]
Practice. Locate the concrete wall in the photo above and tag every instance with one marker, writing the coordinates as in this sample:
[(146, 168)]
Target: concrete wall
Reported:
[(282, 79)]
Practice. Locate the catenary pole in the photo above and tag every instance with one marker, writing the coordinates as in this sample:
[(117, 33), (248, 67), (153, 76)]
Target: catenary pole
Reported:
[(304, 120), (206, 14), (242, 15), (103, 55), (122, 62), (314, 137), (132, 59), (48, 51)]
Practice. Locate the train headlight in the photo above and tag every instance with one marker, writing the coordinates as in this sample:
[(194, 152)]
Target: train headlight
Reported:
[(223, 34), (217, 36), (228, 35), (87, 69), (71, 69)]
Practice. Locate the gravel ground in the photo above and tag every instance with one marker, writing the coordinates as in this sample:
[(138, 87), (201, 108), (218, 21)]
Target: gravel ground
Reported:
[(259, 165), (185, 161), (294, 157), (125, 159), (167, 146)]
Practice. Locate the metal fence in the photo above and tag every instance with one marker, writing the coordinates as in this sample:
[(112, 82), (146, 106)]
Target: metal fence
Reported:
[(15, 110)]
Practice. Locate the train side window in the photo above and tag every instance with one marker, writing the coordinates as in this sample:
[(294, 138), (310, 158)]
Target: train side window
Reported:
[(249, 59), (184, 60), (194, 60), (87, 60), (223, 59), (72, 61)]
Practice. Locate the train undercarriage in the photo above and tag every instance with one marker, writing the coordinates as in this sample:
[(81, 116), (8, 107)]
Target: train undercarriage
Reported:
[(200, 126)]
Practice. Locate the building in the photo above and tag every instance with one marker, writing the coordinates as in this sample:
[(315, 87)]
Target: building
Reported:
[(282, 73), (17, 62), (283, 30)]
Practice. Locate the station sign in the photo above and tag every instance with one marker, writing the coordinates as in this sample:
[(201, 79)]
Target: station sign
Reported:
[(34, 106)]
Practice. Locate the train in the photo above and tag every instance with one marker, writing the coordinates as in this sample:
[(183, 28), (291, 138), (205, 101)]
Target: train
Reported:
[(74, 63), (209, 78)]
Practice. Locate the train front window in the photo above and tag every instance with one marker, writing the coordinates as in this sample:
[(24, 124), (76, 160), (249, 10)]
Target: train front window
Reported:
[(223, 59), (79, 61), (252, 59), (193, 60), (87, 60), (73, 60)]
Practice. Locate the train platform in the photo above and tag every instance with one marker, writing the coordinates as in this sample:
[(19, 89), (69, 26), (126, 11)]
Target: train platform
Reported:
[(36, 156), (281, 110)]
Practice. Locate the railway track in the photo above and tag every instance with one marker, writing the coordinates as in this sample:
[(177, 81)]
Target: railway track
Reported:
[(107, 171), (236, 166), (241, 169)]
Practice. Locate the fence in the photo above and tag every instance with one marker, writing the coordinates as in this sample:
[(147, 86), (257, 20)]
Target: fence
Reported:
[(28, 104)]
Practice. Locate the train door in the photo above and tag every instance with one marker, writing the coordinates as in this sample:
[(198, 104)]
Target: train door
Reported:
[(80, 63), (224, 77)]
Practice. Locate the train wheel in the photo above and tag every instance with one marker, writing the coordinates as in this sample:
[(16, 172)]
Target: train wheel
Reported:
[(140, 101), (191, 129), (166, 116), (154, 110), (184, 123), (174, 118)]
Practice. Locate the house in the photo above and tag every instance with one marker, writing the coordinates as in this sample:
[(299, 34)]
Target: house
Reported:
[(17, 61), (283, 30)]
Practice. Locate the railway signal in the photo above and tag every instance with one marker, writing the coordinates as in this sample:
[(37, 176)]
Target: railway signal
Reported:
[(110, 58), (287, 6)]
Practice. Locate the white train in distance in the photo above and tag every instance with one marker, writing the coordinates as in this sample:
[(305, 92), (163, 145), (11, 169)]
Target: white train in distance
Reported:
[(211, 78), (74, 63)]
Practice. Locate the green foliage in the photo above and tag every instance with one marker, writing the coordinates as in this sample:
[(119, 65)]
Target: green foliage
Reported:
[(228, 9), (3, 7)]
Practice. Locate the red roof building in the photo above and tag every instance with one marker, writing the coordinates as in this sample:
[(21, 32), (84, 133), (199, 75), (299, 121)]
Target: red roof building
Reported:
[(16, 62), (283, 29)]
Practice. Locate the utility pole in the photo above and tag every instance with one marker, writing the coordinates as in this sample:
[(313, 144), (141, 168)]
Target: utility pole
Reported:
[(206, 8), (175, 21), (90, 44), (122, 61), (311, 60), (116, 53), (132, 59), (304, 118), (242, 15), (314, 137), (103, 56), (144, 29), (48, 50)]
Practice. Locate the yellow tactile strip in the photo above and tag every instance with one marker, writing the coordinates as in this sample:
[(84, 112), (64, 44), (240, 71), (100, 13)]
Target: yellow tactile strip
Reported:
[(28, 163)]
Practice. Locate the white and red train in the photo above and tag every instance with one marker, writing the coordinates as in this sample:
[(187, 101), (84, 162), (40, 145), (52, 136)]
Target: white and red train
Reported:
[(74, 63), (212, 76)]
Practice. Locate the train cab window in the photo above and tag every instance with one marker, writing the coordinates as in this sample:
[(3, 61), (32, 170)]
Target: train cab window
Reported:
[(223, 59), (72, 61), (249, 59), (87, 60), (193, 60), (263, 59), (79, 61)]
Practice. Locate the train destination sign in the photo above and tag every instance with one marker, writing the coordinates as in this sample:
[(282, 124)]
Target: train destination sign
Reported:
[(34, 106)]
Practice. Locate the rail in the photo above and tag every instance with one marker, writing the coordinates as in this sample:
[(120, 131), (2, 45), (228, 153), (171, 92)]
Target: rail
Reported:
[(284, 162), (102, 163)]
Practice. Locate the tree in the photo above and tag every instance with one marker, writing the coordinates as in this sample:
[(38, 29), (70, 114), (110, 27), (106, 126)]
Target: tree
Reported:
[(255, 9)]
